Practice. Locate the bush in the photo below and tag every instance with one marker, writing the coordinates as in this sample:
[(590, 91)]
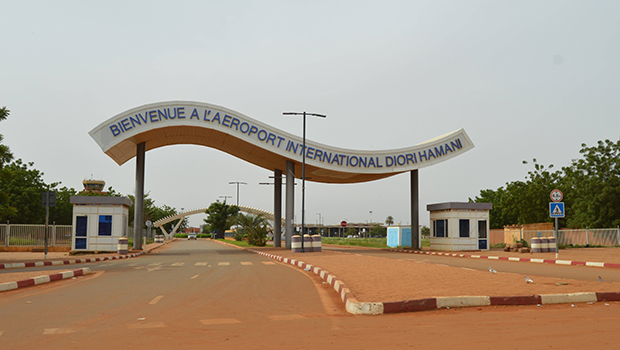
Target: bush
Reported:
[(181, 235), (499, 245)]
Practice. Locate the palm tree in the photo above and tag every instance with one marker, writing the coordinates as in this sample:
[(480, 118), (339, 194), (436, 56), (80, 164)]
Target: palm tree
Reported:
[(255, 228), (389, 220)]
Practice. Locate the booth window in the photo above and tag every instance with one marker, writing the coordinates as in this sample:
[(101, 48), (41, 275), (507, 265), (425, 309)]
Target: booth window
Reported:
[(105, 225), (81, 225), (440, 228), (482, 229), (464, 228)]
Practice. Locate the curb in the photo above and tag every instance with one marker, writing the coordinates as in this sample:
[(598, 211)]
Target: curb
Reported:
[(507, 258), (355, 307), (21, 265), (44, 279), (66, 262)]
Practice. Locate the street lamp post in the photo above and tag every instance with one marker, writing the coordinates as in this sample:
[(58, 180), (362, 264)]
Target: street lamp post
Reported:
[(238, 183), (225, 197), (303, 171)]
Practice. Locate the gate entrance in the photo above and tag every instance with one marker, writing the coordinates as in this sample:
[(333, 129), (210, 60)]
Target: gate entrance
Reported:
[(134, 132)]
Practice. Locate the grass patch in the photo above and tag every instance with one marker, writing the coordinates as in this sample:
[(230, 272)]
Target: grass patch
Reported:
[(356, 242), (237, 243)]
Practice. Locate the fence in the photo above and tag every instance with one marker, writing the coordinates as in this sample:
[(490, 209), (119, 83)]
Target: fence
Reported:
[(34, 235), (606, 237)]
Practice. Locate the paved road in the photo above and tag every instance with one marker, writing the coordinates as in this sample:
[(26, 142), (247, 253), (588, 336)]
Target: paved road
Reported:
[(193, 286), (582, 273), (201, 294)]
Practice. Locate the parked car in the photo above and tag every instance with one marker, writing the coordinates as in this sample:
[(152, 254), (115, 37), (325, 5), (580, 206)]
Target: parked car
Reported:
[(191, 236)]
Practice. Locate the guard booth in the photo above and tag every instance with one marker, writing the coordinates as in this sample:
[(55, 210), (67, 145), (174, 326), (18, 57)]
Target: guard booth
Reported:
[(399, 236), (98, 222), (458, 226)]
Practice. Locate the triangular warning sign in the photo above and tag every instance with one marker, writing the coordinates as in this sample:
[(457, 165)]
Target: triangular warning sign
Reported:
[(557, 211)]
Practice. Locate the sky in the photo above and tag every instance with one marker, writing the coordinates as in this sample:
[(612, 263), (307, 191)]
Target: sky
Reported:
[(525, 79)]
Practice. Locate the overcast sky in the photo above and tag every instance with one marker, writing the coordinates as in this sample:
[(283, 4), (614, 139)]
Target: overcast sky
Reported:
[(525, 79)]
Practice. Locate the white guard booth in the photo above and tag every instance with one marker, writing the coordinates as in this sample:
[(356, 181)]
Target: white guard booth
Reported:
[(98, 222), (458, 226)]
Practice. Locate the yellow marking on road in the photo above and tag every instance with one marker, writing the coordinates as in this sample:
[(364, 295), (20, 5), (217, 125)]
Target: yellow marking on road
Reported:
[(286, 317), (268, 263), (178, 264), (49, 331), (246, 263), (224, 264), (195, 276), (201, 264), (155, 300), (220, 321), (146, 325)]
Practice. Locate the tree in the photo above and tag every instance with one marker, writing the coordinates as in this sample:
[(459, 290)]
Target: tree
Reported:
[(378, 230), (5, 153), (255, 228), (220, 215), (20, 193), (389, 220)]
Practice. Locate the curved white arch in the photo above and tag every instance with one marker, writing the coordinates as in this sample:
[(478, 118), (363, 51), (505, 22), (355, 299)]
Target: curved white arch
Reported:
[(183, 214), (186, 122)]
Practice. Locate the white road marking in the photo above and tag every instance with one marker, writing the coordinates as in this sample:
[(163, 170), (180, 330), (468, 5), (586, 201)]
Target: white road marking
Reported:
[(146, 325), (220, 321), (48, 331), (201, 264), (268, 263), (178, 264), (155, 300), (154, 264), (285, 317), (246, 263), (195, 276), (224, 264)]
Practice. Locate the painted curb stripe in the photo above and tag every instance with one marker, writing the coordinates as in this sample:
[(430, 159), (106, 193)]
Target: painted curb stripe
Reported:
[(68, 262), (517, 300), (43, 279)]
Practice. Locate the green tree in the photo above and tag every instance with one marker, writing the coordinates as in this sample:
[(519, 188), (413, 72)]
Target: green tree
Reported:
[(389, 220), (378, 230), (5, 153), (592, 186), (220, 215), (21, 186), (255, 228)]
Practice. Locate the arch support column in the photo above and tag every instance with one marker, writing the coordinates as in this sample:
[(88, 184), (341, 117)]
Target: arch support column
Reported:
[(277, 208), (290, 203), (415, 210), (138, 216)]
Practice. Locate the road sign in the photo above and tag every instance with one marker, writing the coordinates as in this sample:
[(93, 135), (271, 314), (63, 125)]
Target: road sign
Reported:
[(52, 198), (343, 223), (556, 195), (556, 210)]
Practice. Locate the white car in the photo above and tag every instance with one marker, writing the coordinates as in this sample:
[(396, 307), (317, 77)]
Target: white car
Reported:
[(191, 236)]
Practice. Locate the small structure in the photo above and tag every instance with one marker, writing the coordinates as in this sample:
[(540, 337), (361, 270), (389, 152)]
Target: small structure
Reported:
[(457, 226), (399, 236), (98, 222)]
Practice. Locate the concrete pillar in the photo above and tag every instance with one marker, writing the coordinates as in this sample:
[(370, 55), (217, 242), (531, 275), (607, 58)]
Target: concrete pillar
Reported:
[(139, 197), (415, 209), (290, 202), (277, 208)]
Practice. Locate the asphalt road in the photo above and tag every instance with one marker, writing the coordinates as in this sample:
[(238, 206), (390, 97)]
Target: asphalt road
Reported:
[(201, 294), (581, 273)]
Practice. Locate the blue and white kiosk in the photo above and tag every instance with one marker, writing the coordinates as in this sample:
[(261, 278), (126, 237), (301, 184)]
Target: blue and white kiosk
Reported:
[(98, 222)]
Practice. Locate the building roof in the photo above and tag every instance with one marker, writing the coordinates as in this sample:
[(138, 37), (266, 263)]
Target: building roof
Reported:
[(95, 200), (459, 205)]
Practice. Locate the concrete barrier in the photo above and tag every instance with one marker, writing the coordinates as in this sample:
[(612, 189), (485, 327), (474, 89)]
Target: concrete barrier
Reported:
[(296, 244), (536, 245), (316, 243)]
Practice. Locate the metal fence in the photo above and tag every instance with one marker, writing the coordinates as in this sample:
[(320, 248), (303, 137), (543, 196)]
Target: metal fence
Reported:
[(605, 237), (34, 235)]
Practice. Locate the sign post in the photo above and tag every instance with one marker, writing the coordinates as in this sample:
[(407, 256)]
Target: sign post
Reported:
[(556, 210), (48, 199)]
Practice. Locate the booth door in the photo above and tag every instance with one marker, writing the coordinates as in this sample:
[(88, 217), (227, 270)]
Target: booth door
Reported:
[(482, 235)]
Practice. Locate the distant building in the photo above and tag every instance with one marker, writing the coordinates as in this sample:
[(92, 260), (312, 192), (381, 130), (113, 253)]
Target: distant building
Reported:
[(93, 186)]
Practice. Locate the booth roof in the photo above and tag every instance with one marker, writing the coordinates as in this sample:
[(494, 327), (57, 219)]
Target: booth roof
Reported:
[(105, 200), (459, 205)]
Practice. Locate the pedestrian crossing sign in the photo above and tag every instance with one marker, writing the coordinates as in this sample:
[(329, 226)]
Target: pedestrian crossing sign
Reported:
[(556, 210)]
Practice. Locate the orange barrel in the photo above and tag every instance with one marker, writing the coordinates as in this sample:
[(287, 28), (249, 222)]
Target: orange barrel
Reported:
[(544, 245), (552, 246), (316, 243), (296, 244), (536, 245), (122, 245)]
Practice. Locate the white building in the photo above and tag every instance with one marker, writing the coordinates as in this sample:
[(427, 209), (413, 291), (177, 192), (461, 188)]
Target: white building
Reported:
[(457, 226)]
